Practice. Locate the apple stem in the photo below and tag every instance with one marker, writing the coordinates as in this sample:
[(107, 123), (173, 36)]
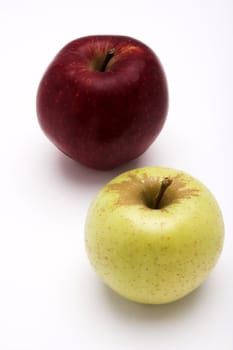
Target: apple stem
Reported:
[(107, 58), (166, 182)]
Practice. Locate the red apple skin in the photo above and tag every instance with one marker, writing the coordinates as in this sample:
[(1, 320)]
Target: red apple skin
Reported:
[(103, 119)]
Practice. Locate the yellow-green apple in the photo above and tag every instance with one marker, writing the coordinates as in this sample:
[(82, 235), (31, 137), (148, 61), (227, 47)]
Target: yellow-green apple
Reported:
[(103, 100), (153, 234)]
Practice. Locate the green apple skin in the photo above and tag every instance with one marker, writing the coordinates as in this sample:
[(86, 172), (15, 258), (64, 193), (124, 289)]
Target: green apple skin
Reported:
[(154, 256)]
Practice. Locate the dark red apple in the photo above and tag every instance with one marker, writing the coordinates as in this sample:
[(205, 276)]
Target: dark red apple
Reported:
[(103, 100)]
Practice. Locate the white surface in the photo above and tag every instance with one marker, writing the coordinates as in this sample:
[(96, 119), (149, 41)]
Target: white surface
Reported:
[(49, 296)]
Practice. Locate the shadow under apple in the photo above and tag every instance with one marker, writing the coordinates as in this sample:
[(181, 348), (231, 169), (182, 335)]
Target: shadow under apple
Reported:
[(77, 174), (135, 312)]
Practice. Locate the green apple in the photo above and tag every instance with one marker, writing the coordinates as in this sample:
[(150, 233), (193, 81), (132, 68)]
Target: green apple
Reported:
[(153, 234)]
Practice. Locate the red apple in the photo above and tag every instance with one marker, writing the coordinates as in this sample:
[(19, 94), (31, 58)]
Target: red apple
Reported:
[(103, 100)]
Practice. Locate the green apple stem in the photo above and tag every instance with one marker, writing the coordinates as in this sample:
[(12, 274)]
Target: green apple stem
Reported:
[(107, 58), (166, 182)]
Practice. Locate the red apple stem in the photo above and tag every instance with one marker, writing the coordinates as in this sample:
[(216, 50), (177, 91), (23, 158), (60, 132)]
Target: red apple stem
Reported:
[(166, 182), (107, 58)]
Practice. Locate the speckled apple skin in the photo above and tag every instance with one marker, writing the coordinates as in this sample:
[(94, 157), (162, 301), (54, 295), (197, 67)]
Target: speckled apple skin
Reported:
[(154, 256), (103, 119)]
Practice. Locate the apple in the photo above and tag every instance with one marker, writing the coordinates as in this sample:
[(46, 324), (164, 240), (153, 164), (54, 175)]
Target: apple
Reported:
[(153, 234), (103, 100)]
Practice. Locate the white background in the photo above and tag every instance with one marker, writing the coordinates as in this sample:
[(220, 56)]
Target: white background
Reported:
[(50, 298)]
